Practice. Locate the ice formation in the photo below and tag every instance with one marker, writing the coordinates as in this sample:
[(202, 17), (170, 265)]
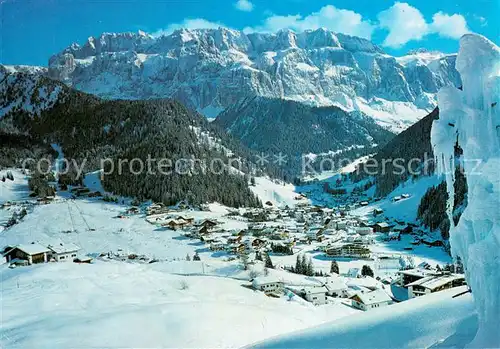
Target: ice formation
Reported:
[(472, 115)]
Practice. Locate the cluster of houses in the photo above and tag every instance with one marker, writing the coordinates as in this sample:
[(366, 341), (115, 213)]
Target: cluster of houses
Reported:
[(34, 253), (359, 297)]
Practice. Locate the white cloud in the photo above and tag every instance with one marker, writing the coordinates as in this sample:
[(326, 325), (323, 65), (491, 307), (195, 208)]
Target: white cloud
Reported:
[(329, 17), (404, 23), (453, 26), (244, 5), (193, 23)]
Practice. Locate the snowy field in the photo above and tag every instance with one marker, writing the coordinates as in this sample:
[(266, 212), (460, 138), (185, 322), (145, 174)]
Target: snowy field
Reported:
[(113, 304)]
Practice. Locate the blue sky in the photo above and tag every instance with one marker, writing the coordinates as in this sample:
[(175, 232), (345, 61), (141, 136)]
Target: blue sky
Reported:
[(31, 31)]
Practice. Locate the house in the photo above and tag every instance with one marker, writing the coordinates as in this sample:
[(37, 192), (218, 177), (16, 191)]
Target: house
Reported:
[(363, 230), (31, 253), (236, 248), (382, 227), (377, 211), (207, 223), (217, 246), (336, 287), (315, 294), (348, 251), (175, 224), (267, 284), (408, 276), (371, 300), (63, 252), (434, 283)]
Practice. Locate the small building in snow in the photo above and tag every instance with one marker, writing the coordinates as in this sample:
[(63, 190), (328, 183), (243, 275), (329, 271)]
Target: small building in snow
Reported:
[(31, 253), (371, 300), (267, 284), (63, 252), (315, 295), (434, 283)]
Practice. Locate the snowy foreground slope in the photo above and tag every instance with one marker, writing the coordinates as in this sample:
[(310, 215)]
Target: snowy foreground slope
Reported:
[(437, 320), (473, 116), (124, 305)]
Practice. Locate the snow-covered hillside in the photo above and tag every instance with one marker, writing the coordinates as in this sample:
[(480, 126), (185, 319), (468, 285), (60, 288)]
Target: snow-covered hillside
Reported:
[(473, 116), (211, 69), (24, 88)]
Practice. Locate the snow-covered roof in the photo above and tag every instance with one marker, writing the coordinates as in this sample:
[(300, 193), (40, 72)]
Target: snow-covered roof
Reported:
[(32, 249), (315, 290), (335, 283), (374, 297), (265, 280), (433, 282), (64, 248)]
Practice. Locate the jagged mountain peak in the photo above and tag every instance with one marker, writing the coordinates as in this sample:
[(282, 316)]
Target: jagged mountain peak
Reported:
[(210, 70)]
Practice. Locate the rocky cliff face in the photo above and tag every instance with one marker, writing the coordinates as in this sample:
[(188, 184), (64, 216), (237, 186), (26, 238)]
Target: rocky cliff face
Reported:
[(212, 69)]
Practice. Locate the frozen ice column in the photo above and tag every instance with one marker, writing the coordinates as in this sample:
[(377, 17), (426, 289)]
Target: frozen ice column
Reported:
[(472, 115)]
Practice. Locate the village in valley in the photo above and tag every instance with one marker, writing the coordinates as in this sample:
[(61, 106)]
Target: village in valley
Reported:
[(349, 255)]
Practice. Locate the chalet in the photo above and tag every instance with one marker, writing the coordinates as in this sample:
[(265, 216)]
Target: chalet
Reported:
[(336, 287), (434, 283), (394, 235), (236, 248), (382, 227), (363, 203), (175, 224), (30, 253), (405, 196), (234, 239), (363, 230), (349, 251), (217, 246), (63, 252), (187, 219), (267, 284), (377, 211), (409, 276), (371, 300), (396, 198), (315, 294), (207, 223)]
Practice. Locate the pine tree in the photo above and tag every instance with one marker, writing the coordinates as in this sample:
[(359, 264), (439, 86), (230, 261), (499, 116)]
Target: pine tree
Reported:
[(299, 269), (196, 257), (258, 256), (188, 258), (310, 268), (334, 267), (269, 262), (367, 271), (304, 264)]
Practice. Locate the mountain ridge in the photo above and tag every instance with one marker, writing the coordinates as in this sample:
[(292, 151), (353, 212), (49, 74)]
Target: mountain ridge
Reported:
[(210, 70)]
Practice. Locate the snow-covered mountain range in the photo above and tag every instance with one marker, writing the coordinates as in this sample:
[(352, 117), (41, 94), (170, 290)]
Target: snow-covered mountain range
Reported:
[(212, 69)]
